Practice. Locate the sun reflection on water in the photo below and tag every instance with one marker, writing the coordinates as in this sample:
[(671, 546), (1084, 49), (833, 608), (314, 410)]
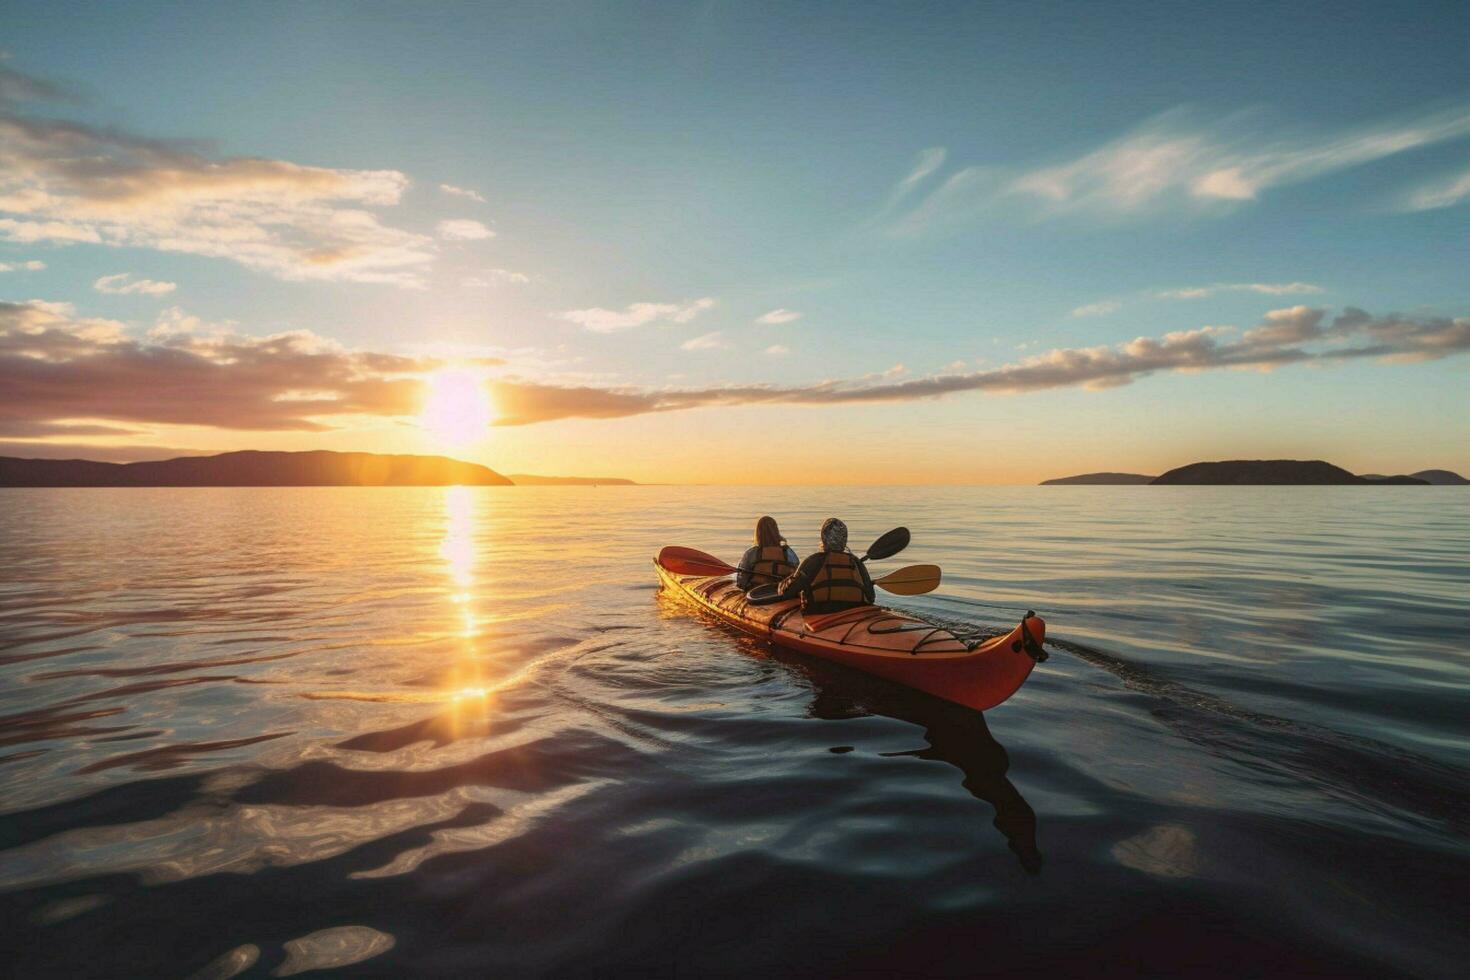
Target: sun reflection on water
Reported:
[(465, 681)]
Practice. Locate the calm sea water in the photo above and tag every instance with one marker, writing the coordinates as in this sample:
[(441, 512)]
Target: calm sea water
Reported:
[(457, 732)]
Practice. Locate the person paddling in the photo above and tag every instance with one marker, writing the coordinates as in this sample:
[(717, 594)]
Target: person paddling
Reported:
[(770, 561), (832, 579)]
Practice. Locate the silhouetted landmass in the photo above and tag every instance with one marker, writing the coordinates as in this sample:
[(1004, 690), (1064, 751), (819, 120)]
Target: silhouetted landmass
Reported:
[(530, 480), (1443, 478), (252, 468), (1099, 480), (1273, 472)]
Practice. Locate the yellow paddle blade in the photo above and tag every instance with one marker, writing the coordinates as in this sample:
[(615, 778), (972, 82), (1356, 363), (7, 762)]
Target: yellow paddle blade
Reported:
[(910, 580)]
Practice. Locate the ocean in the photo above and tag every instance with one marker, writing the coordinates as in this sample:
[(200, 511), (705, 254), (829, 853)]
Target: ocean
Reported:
[(458, 732)]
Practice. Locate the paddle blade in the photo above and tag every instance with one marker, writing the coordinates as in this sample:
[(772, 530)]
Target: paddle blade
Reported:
[(689, 561), (910, 580), (888, 545)]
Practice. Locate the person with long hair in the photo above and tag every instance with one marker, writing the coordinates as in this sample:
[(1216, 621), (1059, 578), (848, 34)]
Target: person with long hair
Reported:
[(769, 561)]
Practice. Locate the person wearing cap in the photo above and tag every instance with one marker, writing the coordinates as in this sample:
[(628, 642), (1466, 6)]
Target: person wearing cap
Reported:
[(832, 579)]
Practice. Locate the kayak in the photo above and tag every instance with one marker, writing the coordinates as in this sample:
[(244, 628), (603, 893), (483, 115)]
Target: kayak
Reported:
[(877, 640)]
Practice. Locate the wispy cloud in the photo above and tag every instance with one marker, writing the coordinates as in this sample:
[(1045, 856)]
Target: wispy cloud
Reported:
[(1100, 308), (777, 317), (32, 265), (463, 230), (1443, 193), (709, 341), (123, 283), (1177, 159), (600, 320), (1264, 288), (57, 368), (1298, 335), (492, 276), (926, 164), (462, 192), (778, 350), (66, 182)]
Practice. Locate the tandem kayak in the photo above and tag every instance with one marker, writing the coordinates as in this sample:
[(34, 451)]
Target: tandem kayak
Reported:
[(877, 641)]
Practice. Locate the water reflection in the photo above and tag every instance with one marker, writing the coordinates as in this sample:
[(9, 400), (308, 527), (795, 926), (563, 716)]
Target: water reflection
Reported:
[(466, 681), (955, 734)]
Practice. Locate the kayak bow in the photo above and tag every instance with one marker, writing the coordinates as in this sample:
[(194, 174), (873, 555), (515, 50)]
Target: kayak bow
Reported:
[(876, 640)]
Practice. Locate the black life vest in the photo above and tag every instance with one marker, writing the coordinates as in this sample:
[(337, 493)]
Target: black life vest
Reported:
[(838, 581), (770, 566)]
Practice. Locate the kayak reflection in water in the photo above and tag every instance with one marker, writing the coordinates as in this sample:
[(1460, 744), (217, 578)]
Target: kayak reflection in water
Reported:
[(832, 579), (956, 735), (769, 561)]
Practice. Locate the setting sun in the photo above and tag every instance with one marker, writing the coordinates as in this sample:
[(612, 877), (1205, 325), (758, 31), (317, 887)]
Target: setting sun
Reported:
[(457, 407)]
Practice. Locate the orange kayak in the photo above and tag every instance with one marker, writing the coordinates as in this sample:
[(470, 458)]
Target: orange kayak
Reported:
[(878, 641)]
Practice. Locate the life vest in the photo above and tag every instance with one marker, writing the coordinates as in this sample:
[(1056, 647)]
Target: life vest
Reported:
[(770, 566), (838, 581)]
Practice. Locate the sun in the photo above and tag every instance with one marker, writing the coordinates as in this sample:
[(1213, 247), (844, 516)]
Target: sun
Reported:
[(457, 408)]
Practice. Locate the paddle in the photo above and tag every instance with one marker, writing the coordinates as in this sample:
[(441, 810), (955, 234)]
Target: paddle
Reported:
[(888, 545), (689, 561), (910, 580)]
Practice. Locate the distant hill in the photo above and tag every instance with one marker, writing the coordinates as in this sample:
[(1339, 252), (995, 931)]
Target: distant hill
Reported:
[(1272, 472), (252, 468), (1443, 478), (1099, 480), (530, 480)]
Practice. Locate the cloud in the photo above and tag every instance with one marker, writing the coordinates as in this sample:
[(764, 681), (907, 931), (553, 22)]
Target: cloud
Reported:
[(67, 182), (462, 230), (1101, 308), (778, 350), (926, 163), (709, 341), (1352, 335), (16, 88), (599, 320), (1264, 288), (492, 276), (778, 316), (1443, 193), (462, 192), (120, 284), (33, 265), (1176, 159), (59, 369)]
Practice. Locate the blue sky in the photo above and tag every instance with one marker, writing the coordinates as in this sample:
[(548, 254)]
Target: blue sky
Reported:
[(1079, 175)]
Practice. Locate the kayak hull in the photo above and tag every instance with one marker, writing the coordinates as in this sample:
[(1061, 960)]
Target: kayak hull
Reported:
[(876, 640)]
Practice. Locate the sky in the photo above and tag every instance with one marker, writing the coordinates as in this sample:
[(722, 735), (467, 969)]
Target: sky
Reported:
[(740, 242)]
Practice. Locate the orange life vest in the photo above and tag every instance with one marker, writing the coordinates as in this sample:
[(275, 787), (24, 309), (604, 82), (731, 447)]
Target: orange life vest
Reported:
[(838, 581), (770, 566)]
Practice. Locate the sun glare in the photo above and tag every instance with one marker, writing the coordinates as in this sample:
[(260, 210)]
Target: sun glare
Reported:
[(457, 409)]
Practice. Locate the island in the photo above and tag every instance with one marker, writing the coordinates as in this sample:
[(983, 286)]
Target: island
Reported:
[(1261, 472), (531, 480), (252, 468), (1441, 478), (1273, 472), (1099, 480)]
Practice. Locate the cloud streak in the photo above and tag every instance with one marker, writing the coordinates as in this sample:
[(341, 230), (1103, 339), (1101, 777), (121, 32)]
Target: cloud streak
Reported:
[(60, 370), (124, 284), (1264, 288), (1177, 160), (65, 182), (600, 320)]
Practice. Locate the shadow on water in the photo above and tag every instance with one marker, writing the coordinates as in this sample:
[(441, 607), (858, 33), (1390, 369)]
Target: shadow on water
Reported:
[(956, 735)]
